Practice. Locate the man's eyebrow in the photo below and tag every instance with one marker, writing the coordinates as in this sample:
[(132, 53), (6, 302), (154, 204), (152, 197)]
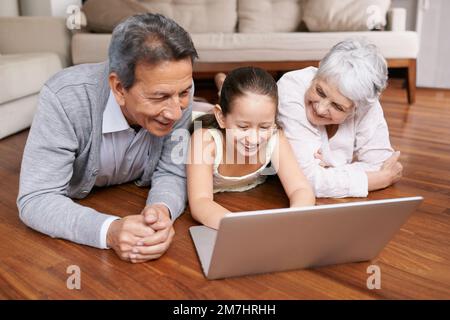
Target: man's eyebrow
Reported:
[(188, 88), (166, 93), (157, 93)]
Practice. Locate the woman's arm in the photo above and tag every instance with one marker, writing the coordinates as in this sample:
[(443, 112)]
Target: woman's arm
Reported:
[(390, 173), (291, 176), (199, 171), (373, 151)]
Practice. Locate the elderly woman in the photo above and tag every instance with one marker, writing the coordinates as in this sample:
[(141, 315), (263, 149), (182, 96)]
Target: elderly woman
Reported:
[(335, 124)]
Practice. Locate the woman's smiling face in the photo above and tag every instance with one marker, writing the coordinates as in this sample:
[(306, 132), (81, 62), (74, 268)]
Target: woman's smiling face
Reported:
[(325, 105)]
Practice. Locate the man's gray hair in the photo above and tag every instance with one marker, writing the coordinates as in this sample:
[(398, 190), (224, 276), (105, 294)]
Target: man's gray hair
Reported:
[(358, 70), (148, 38)]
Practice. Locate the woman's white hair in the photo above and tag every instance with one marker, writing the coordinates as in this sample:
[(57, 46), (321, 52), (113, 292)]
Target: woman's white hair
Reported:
[(357, 68)]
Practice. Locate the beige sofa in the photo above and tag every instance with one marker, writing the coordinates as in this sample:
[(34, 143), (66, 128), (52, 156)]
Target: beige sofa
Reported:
[(32, 49), (265, 33), (226, 33)]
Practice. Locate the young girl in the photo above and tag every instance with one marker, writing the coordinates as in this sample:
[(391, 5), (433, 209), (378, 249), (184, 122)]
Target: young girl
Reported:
[(232, 149)]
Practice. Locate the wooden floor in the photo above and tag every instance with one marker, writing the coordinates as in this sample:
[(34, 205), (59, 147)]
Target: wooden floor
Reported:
[(415, 264)]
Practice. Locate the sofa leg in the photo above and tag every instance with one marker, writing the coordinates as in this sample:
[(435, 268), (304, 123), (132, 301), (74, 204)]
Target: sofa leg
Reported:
[(411, 81)]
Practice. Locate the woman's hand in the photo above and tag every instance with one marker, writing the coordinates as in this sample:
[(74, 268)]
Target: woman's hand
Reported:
[(393, 168), (390, 172), (319, 155)]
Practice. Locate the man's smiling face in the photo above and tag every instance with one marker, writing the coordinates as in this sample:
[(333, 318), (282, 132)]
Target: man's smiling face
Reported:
[(158, 95)]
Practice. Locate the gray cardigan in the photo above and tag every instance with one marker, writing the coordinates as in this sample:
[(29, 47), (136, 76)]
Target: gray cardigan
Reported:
[(61, 158)]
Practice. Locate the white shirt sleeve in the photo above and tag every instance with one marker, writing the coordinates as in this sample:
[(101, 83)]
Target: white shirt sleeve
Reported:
[(344, 181), (372, 145), (104, 231)]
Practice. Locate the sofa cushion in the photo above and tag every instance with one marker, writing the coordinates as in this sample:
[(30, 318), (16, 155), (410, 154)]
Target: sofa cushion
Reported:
[(345, 15), (25, 74), (90, 47), (269, 15), (35, 34), (197, 16), (17, 115), (9, 8), (297, 46), (291, 46), (103, 15)]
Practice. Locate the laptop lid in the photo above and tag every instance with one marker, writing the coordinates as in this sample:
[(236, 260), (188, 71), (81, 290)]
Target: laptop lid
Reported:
[(204, 239), (295, 238)]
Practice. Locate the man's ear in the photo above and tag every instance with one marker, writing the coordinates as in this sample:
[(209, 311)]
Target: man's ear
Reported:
[(117, 88), (219, 116)]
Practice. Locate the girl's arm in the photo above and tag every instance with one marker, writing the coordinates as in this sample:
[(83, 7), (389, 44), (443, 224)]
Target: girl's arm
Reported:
[(291, 176), (199, 171)]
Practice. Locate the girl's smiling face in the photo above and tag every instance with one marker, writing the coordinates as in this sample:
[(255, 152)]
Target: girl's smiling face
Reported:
[(325, 105), (250, 122)]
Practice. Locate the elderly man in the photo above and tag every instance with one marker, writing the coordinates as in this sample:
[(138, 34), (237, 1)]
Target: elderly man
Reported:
[(111, 123)]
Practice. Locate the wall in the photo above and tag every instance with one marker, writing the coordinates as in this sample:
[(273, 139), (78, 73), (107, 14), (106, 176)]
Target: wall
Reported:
[(434, 57), (411, 11)]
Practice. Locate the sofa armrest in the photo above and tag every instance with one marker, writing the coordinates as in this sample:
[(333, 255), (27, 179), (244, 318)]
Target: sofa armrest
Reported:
[(35, 34), (396, 19)]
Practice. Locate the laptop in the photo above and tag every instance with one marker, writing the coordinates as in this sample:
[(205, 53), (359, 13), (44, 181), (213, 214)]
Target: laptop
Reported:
[(264, 241)]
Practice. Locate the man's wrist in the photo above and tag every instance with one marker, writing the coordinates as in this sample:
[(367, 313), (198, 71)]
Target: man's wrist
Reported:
[(110, 233), (166, 209)]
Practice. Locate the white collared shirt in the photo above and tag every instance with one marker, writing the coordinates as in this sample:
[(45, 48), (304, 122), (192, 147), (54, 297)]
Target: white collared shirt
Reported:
[(124, 153), (361, 143)]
